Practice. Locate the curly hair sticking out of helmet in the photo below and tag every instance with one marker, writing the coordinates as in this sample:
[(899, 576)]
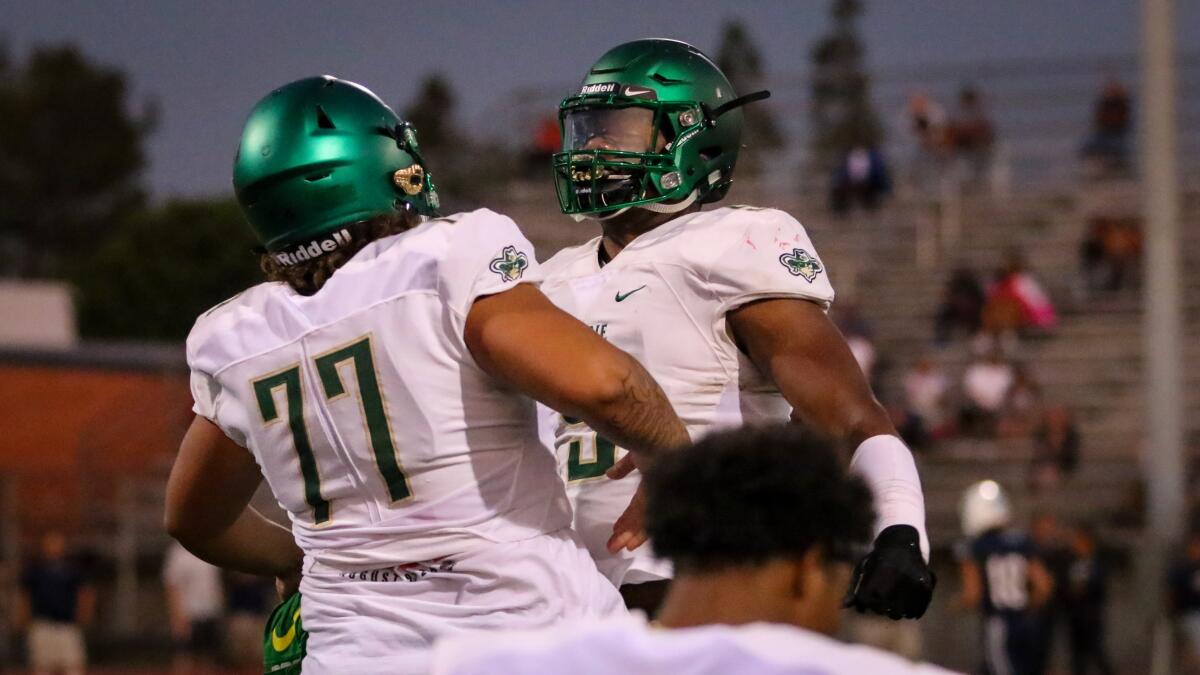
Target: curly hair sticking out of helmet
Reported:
[(307, 277)]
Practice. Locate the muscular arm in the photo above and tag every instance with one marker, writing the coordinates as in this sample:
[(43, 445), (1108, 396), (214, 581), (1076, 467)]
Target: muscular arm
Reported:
[(208, 497), (521, 338), (795, 344)]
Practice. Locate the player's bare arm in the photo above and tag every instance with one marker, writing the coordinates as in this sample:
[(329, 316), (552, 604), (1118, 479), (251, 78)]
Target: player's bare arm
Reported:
[(520, 337), (794, 343), (208, 497), (798, 347)]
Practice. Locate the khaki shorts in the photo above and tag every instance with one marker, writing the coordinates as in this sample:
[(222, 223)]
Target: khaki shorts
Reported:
[(56, 647)]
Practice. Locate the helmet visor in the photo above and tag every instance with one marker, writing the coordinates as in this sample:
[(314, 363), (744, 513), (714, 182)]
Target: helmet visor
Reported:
[(628, 129)]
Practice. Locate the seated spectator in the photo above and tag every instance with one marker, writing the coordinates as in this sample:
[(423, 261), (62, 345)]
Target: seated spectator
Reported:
[(926, 122), (1056, 444), (985, 385), (1110, 254), (858, 337), (1107, 149), (972, 135), (1016, 302), (912, 429), (861, 179), (962, 306), (1022, 406), (864, 353), (925, 388)]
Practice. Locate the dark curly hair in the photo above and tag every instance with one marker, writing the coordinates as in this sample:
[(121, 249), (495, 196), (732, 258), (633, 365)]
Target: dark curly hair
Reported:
[(309, 276), (746, 496)]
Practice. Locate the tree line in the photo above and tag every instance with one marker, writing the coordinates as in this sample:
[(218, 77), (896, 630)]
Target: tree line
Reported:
[(73, 204)]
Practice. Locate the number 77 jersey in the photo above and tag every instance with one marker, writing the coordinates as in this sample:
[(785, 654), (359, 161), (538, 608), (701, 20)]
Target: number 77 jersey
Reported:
[(664, 300), (374, 428)]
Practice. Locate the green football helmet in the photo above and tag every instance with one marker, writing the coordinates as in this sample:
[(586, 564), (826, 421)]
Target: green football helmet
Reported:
[(320, 155), (655, 124)]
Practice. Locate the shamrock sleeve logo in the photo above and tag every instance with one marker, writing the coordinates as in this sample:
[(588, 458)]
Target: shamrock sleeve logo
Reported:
[(801, 264), (511, 264)]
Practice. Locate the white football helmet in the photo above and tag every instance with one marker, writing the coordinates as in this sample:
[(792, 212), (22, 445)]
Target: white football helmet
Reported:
[(984, 507)]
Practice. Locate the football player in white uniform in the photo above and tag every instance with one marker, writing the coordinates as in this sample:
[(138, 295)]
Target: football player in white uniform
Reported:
[(726, 308), (383, 382), (763, 526)]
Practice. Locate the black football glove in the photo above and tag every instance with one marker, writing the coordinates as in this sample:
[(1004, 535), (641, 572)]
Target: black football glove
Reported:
[(893, 580)]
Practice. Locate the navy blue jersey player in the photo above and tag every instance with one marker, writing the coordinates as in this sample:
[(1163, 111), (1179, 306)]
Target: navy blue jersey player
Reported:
[(1003, 577)]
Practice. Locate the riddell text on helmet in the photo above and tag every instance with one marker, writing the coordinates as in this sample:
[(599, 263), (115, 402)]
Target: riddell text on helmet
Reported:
[(314, 249)]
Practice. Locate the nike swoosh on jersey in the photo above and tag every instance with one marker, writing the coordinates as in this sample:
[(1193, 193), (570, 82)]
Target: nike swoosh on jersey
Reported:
[(282, 642), (621, 296)]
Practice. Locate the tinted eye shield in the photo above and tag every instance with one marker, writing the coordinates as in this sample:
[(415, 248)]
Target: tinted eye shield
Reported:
[(607, 177)]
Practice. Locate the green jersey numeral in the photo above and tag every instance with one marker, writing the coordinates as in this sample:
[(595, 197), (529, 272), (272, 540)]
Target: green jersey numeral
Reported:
[(379, 430), (264, 391), (605, 457)]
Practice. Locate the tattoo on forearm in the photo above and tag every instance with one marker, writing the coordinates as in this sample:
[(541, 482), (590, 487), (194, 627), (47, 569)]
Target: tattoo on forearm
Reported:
[(643, 419)]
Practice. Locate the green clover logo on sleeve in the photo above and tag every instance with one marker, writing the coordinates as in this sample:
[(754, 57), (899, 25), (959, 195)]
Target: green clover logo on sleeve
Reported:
[(511, 264), (801, 264)]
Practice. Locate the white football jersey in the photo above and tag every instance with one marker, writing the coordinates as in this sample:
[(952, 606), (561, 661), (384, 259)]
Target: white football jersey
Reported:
[(663, 300), (629, 645), (374, 427)]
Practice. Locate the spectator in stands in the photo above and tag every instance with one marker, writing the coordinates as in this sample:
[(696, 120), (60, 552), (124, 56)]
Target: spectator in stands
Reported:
[(1016, 303), (985, 385), (1052, 551), (1056, 444), (194, 607), (858, 337), (55, 605), (1086, 597), (1022, 405), (1183, 598), (1110, 254), (962, 306), (925, 390), (926, 122), (544, 143), (861, 178), (972, 135), (1106, 151), (248, 602)]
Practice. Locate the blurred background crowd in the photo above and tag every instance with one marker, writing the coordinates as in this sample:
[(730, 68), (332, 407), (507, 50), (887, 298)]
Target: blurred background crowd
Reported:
[(981, 221)]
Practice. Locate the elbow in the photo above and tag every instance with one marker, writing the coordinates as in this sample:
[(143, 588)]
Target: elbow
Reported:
[(179, 525), (602, 387), (173, 523)]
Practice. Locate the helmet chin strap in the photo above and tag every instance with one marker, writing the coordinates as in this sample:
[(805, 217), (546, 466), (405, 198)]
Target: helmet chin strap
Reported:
[(580, 217), (659, 207)]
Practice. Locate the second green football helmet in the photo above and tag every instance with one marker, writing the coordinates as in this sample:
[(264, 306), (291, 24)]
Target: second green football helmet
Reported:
[(320, 154), (655, 124)]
